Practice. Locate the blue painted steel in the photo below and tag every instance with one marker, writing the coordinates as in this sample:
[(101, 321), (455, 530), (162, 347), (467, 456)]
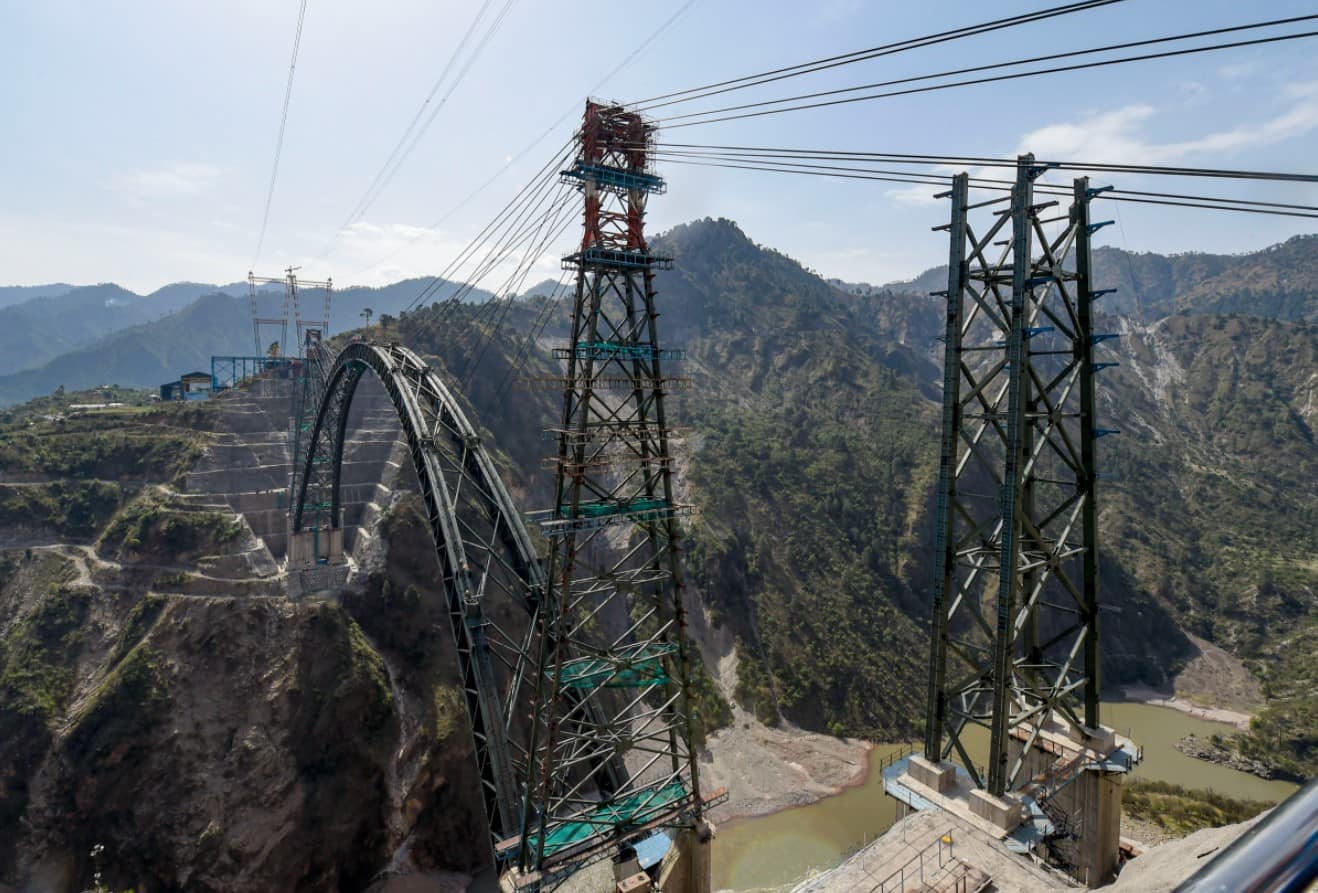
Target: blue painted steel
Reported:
[(226, 372), (615, 177), (1099, 367), (1105, 336), (651, 850)]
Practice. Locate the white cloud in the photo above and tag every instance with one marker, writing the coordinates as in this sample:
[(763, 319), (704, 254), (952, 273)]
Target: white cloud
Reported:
[(380, 253), (923, 194), (1116, 136), (1238, 70), (180, 179)]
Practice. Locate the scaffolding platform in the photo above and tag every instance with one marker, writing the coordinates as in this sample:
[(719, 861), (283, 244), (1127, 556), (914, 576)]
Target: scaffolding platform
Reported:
[(612, 350), (614, 178), (644, 669), (580, 840), (618, 259)]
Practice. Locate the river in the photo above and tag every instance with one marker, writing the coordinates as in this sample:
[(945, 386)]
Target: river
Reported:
[(777, 849)]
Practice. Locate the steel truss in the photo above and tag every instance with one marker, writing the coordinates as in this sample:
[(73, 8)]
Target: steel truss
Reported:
[(486, 557), (1015, 614), (293, 308), (612, 726)]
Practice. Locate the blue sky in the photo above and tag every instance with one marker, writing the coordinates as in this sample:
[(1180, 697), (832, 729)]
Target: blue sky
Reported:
[(139, 135)]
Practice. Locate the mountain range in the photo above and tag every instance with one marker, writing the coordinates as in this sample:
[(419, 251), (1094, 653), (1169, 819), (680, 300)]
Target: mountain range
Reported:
[(104, 334), (207, 729), (815, 413)]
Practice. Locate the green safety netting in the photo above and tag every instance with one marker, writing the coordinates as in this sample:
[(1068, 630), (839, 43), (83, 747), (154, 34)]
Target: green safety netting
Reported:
[(632, 810), (641, 669), (613, 507)]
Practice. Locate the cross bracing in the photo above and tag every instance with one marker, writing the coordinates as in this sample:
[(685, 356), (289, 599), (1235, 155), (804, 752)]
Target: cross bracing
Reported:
[(1015, 623)]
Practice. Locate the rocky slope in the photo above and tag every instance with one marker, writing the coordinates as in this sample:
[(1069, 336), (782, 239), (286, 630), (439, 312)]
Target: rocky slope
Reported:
[(158, 695), (161, 696)]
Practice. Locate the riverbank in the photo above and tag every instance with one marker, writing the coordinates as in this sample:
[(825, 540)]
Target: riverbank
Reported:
[(1140, 694), (769, 769), (1214, 686)]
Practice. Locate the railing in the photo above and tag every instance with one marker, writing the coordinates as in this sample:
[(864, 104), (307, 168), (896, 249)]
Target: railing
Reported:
[(901, 753), (923, 866)]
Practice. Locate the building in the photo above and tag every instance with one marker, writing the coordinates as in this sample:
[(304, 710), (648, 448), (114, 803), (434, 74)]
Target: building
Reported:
[(191, 386)]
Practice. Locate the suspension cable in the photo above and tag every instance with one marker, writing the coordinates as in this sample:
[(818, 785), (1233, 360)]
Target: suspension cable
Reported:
[(279, 140), (802, 68), (1080, 66)]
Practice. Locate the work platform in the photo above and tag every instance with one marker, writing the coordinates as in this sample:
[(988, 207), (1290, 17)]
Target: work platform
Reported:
[(1068, 810)]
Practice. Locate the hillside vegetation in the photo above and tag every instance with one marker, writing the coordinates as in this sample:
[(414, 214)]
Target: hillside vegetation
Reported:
[(1183, 811)]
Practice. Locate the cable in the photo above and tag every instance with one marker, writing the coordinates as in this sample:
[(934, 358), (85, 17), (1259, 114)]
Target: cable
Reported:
[(627, 60), (942, 178), (975, 81), (511, 287), (537, 327), (279, 140), (990, 185), (538, 181), (870, 53), (398, 147), (987, 161), (494, 27), (413, 135), (996, 65), (509, 237), (509, 244)]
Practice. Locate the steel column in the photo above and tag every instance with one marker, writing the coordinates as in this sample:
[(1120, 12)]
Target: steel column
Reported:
[(1014, 634)]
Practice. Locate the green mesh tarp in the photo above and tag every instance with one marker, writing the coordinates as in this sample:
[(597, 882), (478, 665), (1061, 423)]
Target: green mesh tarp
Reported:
[(635, 809), (645, 668), (615, 507)]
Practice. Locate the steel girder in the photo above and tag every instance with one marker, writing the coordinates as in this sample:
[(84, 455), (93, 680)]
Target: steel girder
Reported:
[(485, 552), (1015, 610), (612, 734)]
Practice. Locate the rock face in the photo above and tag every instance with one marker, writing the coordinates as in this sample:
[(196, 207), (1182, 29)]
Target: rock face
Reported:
[(209, 742), (160, 695)]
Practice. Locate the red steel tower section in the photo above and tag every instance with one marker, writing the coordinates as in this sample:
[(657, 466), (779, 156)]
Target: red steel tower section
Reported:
[(611, 757)]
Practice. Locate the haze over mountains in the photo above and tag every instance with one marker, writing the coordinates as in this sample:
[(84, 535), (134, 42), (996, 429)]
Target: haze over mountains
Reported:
[(104, 334), (78, 337)]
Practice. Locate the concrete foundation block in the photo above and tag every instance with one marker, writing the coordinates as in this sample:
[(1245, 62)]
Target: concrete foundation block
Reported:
[(1002, 812), (1101, 740), (940, 777)]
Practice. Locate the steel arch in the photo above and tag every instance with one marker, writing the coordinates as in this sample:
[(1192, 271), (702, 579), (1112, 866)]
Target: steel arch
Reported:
[(480, 539)]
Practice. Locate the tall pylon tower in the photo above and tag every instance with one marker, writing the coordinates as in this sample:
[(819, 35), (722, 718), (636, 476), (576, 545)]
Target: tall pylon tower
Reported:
[(611, 757), (1014, 648)]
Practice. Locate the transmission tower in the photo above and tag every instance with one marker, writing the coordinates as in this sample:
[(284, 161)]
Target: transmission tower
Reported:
[(611, 754), (1015, 642), (263, 327)]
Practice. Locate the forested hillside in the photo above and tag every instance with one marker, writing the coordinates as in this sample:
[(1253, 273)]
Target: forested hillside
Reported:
[(812, 454)]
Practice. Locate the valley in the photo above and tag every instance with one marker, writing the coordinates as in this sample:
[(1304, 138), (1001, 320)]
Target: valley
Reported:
[(158, 686)]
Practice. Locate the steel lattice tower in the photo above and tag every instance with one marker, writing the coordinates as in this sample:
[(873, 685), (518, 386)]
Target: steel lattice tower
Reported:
[(1015, 610), (611, 743)]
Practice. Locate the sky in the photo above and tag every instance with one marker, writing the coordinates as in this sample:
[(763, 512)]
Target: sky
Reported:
[(139, 135)]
